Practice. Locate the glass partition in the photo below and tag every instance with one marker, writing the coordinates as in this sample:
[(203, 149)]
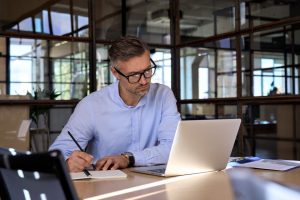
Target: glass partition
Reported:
[(2, 65), (271, 129), (198, 111), (149, 20), (2, 76), (80, 18), (108, 19), (268, 73), (208, 111), (61, 18), (226, 73), (200, 19), (295, 37), (17, 15), (246, 72), (254, 13), (226, 111), (270, 63), (27, 69), (33, 68), (209, 72), (70, 69), (162, 58), (26, 25), (197, 66), (54, 19), (103, 73)]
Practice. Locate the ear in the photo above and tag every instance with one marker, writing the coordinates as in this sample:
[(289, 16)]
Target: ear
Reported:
[(114, 72)]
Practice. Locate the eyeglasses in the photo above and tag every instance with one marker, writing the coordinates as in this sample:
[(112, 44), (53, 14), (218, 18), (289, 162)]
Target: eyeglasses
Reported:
[(136, 77)]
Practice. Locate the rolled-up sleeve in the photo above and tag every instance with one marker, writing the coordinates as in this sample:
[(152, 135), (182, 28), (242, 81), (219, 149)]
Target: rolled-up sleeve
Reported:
[(166, 129)]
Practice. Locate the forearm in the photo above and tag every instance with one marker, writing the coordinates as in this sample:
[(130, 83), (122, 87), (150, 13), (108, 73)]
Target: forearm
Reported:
[(153, 155)]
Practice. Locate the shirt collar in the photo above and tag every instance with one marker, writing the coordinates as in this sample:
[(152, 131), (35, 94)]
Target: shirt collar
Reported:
[(117, 98)]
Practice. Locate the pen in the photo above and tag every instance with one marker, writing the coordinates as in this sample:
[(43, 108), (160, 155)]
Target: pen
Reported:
[(75, 141), (87, 173), (81, 149)]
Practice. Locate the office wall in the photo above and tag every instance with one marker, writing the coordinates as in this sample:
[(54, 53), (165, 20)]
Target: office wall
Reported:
[(10, 119)]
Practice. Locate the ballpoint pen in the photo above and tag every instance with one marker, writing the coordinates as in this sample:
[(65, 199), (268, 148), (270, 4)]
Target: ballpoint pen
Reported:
[(87, 173), (81, 149)]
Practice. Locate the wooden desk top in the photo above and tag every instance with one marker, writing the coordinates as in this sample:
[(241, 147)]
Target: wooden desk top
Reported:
[(212, 185)]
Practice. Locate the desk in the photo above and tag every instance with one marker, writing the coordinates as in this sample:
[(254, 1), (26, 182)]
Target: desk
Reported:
[(212, 185)]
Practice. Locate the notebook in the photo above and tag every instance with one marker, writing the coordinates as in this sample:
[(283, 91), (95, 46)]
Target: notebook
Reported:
[(108, 174), (198, 146)]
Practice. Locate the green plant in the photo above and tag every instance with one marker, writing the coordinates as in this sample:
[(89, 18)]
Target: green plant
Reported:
[(38, 94)]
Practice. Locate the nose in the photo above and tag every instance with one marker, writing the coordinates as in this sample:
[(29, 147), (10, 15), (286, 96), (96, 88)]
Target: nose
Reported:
[(143, 80)]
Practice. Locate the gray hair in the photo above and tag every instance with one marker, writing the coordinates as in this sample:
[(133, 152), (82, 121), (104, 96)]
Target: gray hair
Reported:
[(125, 48)]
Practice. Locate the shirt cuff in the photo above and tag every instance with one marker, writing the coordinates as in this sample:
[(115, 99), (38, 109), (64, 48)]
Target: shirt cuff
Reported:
[(139, 157)]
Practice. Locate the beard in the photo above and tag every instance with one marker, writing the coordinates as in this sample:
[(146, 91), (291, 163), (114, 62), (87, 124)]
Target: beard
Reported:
[(142, 89)]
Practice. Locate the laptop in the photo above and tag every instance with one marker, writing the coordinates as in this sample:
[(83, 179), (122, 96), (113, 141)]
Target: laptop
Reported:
[(198, 146)]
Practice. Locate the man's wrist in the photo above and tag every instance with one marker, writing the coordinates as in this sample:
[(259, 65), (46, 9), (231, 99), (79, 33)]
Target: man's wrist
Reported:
[(130, 158)]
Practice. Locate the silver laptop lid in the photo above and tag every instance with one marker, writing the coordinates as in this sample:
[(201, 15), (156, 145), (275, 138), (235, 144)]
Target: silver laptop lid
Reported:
[(201, 146)]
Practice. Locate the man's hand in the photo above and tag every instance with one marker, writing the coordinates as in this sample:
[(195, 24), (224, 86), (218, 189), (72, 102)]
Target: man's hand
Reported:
[(112, 163), (79, 160)]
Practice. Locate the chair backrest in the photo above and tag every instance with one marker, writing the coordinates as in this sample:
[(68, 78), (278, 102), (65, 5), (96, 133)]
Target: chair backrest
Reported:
[(34, 176)]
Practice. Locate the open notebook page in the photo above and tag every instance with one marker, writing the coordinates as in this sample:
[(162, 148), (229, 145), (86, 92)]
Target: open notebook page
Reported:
[(109, 174)]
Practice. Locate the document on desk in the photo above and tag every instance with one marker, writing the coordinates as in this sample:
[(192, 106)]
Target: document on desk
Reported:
[(108, 174), (270, 164)]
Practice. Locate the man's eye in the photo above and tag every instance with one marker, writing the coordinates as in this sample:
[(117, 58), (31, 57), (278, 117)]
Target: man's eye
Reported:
[(135, 75), (148, 71)]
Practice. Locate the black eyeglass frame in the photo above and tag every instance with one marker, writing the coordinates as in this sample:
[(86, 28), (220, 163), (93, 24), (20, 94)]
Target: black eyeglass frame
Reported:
[(140, 73)]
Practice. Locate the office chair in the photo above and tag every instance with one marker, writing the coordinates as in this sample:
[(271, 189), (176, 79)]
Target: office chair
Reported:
[(34, 176)]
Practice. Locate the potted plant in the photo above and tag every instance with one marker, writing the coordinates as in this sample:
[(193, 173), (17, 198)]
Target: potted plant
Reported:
[(38, 111)]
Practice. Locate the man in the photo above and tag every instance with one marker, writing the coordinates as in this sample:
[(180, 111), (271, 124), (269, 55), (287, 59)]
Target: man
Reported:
[(129, 123)]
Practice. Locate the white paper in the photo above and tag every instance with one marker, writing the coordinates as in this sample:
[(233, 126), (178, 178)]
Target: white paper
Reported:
[(108, 174), (23, 129), (279, 165)]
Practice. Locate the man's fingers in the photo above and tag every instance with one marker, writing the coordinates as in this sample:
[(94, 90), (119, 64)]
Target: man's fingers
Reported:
[(104, 164), (111, 163), (100, 164), (115, 166), (108, 163), (79, 160), (85, 156), (75, 164)]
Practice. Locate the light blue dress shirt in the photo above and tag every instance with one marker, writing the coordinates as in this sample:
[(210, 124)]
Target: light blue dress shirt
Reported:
[(110, 127)]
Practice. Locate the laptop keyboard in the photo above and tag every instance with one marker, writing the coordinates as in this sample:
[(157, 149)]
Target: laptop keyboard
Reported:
[(161, 171)]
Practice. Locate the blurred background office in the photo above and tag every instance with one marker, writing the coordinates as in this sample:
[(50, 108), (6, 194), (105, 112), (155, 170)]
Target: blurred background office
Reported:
[(222, 59)]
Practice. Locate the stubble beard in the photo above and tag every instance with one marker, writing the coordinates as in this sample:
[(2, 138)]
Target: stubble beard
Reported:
[(140, 91)]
